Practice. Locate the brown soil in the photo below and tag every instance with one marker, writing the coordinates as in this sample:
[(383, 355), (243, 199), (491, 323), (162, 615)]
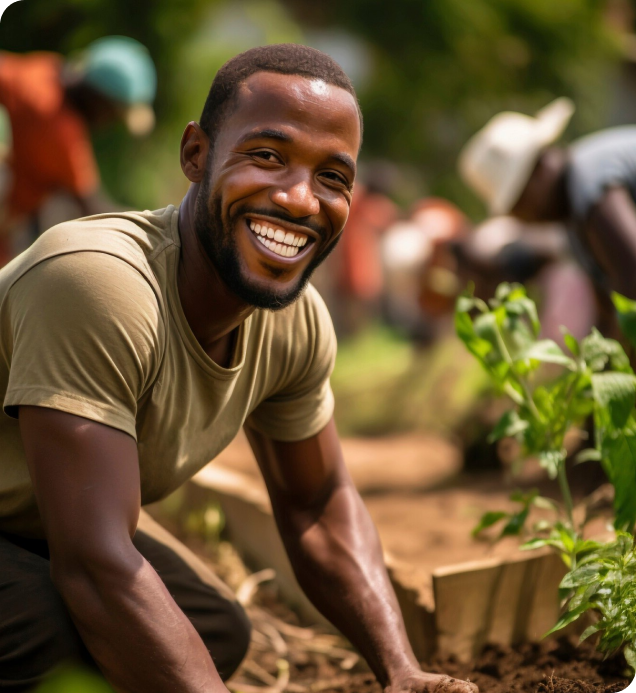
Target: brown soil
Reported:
[(559, 667)]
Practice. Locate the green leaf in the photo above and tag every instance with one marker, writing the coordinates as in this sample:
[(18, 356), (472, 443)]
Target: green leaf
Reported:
[(485, 350), (584, 546), (465, 304), (572, 344), (630, 656), (488, 520), (617, 393), (597, 352), (503, 291), (619, 461), (569, 617), (626, 309), (535, 544), (526, 499), (567, 536), (550, 460), (547, 351), (515, 524), (589, 631), (588, 455), (545, 503), (508, 426), (580, 576)]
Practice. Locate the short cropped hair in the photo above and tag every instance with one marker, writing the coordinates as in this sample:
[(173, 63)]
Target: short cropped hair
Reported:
[(283, 58)]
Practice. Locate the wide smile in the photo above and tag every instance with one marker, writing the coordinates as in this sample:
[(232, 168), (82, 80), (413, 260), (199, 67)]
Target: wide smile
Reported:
[(282, 243)]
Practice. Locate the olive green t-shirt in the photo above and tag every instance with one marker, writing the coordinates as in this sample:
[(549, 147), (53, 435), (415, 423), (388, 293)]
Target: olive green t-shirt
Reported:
[(91, 324)]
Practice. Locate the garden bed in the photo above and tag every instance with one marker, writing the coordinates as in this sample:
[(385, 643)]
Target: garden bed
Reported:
[(286, 656), (424, 507), (555, 667)]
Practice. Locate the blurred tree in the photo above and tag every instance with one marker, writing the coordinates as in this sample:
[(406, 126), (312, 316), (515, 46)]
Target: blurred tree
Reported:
[(443, 67), (434, 72)]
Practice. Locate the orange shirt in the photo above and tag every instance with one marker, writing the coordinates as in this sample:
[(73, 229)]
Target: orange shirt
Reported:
[(51, 148), (369, 216)]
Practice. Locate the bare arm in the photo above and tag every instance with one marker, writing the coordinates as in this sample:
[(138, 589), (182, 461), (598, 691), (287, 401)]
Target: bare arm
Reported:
[(610, 232), (336, 555), (86, 480)]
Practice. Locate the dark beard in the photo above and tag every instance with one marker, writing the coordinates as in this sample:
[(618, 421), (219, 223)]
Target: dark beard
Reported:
[(220, 246)]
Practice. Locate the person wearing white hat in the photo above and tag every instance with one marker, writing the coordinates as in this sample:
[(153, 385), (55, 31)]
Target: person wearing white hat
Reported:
[(515, 167)]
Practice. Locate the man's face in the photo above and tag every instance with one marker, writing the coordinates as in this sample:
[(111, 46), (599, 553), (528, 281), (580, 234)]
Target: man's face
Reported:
[(278, 187), (544, 198)]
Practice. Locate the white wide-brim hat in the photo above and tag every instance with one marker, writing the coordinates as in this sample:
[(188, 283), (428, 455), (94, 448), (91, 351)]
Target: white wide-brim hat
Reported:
[(497, 161)]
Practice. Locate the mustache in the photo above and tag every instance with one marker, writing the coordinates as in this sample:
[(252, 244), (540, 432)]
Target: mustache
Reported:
[(281, 216)]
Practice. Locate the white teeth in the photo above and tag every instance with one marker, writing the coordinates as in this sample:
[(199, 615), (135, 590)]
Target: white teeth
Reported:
[(285, 244)]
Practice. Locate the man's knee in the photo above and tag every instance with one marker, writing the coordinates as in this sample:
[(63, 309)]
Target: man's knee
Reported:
[(227, 636), (36, 635)]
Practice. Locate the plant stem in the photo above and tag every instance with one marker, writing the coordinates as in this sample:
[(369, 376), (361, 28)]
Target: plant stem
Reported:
[(565, 491), (529, 401)]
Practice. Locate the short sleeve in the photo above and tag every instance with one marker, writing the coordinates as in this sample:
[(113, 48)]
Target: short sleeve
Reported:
[(304, 404), (599, 162), (86, 335)]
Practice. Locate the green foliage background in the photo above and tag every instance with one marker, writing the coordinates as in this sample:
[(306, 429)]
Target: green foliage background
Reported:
[(438, 69)]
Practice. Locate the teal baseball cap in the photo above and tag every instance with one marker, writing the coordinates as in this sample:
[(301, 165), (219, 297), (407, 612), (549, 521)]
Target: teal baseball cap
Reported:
[(121, 69)]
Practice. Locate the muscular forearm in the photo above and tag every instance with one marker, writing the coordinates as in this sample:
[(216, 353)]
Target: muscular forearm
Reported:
[(610, 233), (132, 627), (337, 558)]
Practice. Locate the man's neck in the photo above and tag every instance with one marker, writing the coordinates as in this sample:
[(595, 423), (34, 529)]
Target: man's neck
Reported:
[(211, 309)]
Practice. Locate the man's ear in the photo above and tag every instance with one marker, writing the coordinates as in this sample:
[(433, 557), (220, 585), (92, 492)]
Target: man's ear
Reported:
[(195, 145)]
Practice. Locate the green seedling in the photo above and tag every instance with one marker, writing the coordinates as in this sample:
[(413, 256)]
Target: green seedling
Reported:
[(593, 378)]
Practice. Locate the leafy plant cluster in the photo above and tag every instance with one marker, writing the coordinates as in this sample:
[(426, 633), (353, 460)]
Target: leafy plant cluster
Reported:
[(594, 378)]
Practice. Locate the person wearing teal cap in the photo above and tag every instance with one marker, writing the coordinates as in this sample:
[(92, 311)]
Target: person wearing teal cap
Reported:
[(113, 79), (122, 72)]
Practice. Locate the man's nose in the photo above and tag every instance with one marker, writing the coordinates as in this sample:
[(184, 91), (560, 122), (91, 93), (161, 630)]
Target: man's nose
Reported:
[(297, 198)]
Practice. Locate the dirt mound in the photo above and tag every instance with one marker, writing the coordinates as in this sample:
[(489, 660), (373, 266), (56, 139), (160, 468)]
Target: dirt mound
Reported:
[(555, 667)]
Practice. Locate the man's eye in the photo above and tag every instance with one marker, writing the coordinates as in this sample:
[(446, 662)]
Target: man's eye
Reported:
[(337, 177), (266, 156)]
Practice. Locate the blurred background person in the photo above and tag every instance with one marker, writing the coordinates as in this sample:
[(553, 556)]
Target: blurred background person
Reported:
[(420, 268), (589, 186), (50, 104), (352, 279)]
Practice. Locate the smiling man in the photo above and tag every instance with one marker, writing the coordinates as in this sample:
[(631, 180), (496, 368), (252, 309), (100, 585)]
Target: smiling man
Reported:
[(132, 350)]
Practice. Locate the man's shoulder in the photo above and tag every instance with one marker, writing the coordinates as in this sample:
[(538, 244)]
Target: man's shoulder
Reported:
[(150, 231), (135, 238)]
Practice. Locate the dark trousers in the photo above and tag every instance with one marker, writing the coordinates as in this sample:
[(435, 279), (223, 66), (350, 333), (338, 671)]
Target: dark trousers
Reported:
[(36, 631)]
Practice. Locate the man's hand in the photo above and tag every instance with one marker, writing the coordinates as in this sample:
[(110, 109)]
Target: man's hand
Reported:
[(421, 682)]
